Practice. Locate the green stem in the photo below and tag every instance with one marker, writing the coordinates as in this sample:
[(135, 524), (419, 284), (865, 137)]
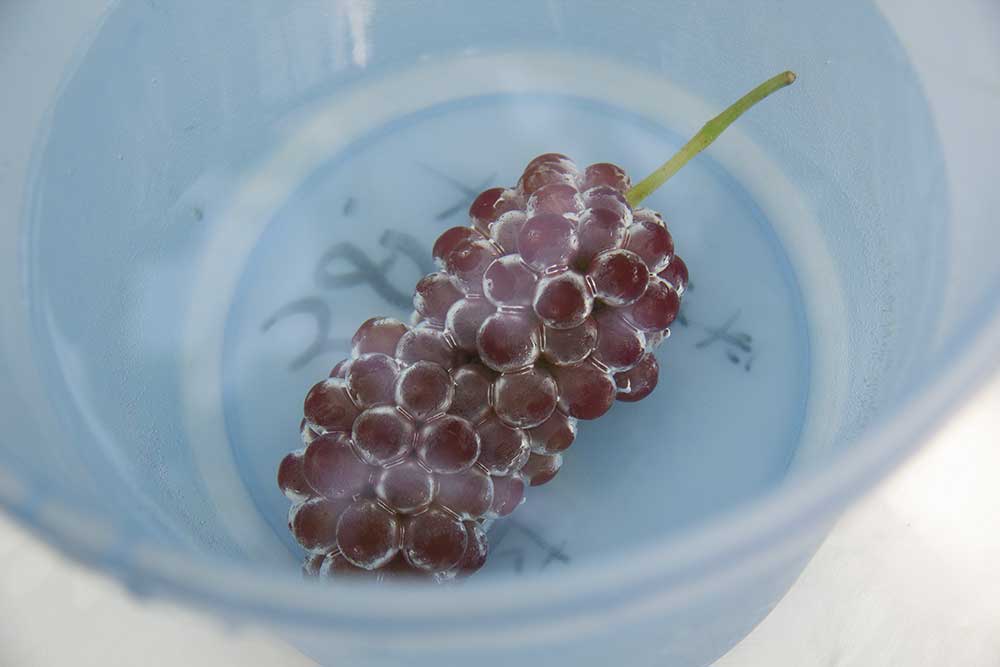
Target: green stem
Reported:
[(706, 136)]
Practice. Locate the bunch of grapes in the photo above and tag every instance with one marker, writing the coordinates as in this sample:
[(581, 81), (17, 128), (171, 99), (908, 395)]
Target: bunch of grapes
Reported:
[(546, 309)]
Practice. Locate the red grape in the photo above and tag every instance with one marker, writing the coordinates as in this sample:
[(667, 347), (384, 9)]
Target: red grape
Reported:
[(491, 204), (619, 345), (640, 381), (472, 392), (541, 468), (600, 229), (328, 406), (469, 494), (652, 242), (526, 398), (383, 434), (425, 343), (434, 295), (676, 274), (335, 566), (424, 390), (379, 334), (448, 444), (509, 282), (565, 347), (605, 173), (340, 370), (434, 540), (400, 570), (464, 320), (656, 308), (368, 534), (332, 467), (468, 261), (505, 230), (603, 196), (291, 477), (618, 277), (508, 341), (646, 215), (449, 240), (547, 241), (546, 169), (555, 435), (314, 524), (372, 378), (405, 487), (508, 493), (563, 301), (556, 198), (585, 391), (476, 551), (504, 449)]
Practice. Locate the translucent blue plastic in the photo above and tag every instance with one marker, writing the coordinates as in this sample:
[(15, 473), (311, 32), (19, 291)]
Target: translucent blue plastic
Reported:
[(218, 194)]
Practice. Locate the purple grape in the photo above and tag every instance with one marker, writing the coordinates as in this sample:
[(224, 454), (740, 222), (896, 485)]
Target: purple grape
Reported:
[(491, 204), (619, 345), (556, 198), (291, 477), (449, 240), (425, 343), (504, 449), (332, 467), (554, 435), (476, 551), (656, 308), (424, 389), (563, 301), (469, 493), (448, 444), (368, 534), (508, 341), (328, 406), (548, 241), (468, 262), (565, 347), (607, 174), (585, 391), (600, 229), (379, 334), (676, 274), (526, 398), (652, 242), (506, 229), (509, 282), (434, 540), (314, 524), (464, 320), (434, 295), (383, 434), (638, 382), (508, 493), (372, 378), (618, 277), (405, 487), (473, 383), (541, 469)]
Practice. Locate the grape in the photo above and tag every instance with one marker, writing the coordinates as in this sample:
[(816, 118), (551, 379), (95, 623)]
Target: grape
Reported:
[(647, 215), (618, 277), (546, 169), (425, 343), (540, 468), (383, 434), (547, 241), (448, 444), (676, 274), (619, 346), (379, 334), (563, 301), (555, 198), (491, 204), (334, 566), (603, 196), (424, 389), (434, 540), (332, 467), (340, 370), (476, 551), (405, 487), (610, 175), (314, 524), (508, 341), (464, 320), (372, 378), (449, 240), (291, 477), (468, 261), (328, 406), (526, 398), (367, 534), (555, 435), (469, 494), (504, 449), (640, 381), (509, 282), (600, 229), (656, 308), (652, 242), (565, 347), (434, 295), (312, 564), (585, 391), (400, 570), (508, 493), (505, 230), (653, 339), (472, 392)]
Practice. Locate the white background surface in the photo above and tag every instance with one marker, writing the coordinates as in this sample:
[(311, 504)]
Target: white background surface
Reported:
[(909, 577)]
